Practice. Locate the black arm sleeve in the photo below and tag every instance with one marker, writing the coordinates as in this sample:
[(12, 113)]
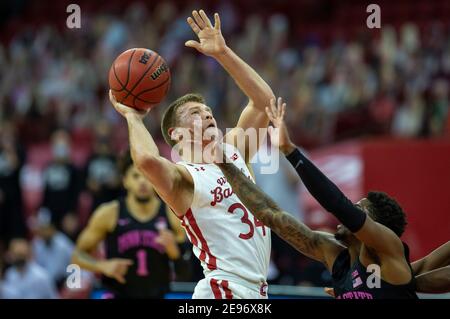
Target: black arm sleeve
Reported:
[(326, 192)]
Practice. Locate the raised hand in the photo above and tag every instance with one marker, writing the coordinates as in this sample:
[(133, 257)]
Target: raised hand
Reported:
[(279, 135), (211, 42)]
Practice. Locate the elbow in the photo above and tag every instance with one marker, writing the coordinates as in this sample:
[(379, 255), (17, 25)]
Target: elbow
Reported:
[(263, 98), (270, 95), (267, 96)]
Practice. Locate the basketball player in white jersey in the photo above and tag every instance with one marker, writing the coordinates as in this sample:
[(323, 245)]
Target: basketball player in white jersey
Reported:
[(231, 244)]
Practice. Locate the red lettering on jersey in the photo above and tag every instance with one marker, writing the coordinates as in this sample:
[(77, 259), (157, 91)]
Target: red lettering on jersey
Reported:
[(221, 181), (227, 192), (219, 194)]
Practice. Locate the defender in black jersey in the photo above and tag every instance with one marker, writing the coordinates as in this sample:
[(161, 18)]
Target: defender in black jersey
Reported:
[(366, 256), (141, 239), (432, 272)]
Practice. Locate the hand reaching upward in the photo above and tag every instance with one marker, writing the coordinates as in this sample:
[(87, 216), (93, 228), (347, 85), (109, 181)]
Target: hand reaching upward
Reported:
[(279, 135), (211, 42)]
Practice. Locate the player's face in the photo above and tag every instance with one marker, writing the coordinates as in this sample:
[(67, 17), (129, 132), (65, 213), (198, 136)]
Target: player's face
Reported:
[(194, 115), (137, 185)]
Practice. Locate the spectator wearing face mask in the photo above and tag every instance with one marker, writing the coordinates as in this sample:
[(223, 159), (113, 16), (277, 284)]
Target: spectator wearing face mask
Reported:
[(51, 248), (61, 183), (25, 279), (102, 176)]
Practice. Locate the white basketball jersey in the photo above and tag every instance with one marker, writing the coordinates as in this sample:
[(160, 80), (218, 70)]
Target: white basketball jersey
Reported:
[(226, 237)]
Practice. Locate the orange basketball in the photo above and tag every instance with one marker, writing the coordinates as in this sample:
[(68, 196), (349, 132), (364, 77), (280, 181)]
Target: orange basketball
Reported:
[(139, 78)]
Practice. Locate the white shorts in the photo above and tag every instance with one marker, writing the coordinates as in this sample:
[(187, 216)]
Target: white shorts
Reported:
[(211, 288)]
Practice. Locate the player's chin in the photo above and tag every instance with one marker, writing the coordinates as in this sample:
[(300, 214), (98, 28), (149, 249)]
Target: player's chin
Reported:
[(210, 134)]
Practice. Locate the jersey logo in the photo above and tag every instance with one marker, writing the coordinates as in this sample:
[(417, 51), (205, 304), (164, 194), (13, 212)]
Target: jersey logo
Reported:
[(161, 223), (123, 221), (263, 290), (234, 157), (356, 279), (221, 181), (200, 169)]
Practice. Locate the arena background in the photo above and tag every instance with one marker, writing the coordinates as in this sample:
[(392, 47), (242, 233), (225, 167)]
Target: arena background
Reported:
[(370, 106)]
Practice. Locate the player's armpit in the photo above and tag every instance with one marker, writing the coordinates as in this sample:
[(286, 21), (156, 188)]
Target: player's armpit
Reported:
[(246, 135), (172, 182)]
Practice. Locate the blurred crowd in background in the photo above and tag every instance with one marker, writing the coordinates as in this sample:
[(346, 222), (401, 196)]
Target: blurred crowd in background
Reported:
[(60, 137)]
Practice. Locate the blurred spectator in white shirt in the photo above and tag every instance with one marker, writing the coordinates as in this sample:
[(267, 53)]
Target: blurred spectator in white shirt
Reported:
[(51, 248), (25, 279)]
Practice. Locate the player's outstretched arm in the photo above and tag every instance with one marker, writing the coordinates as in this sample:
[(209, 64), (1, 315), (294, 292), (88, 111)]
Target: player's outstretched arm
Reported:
[(436, 281), (440, 257), (101, 223), (316, 245), (167, 177), (373, 234), (212, 43)]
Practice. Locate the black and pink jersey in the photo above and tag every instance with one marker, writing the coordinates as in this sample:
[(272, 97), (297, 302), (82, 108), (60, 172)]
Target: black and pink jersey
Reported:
[(351, 281), (150, 274)]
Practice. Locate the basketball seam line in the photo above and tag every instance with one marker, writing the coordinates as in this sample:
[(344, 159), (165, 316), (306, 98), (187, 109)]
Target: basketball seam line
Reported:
[(148, 90), (117, 78), (155, 87), (128, 72), (143, 75), (129, 65)]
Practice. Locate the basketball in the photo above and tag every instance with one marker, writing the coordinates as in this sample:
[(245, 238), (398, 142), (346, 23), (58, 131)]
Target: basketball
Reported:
[(139, 78)]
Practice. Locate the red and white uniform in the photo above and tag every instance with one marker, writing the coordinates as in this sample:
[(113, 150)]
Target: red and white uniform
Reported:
[(231, 244)]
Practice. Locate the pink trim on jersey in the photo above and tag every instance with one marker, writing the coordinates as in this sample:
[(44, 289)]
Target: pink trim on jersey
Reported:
[(212, 260)]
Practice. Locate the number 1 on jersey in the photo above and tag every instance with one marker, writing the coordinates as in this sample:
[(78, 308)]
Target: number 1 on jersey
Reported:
[(142, 262)]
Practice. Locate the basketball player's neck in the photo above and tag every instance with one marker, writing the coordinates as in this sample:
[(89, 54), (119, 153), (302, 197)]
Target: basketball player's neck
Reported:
[(194, 153), (142, 209)]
